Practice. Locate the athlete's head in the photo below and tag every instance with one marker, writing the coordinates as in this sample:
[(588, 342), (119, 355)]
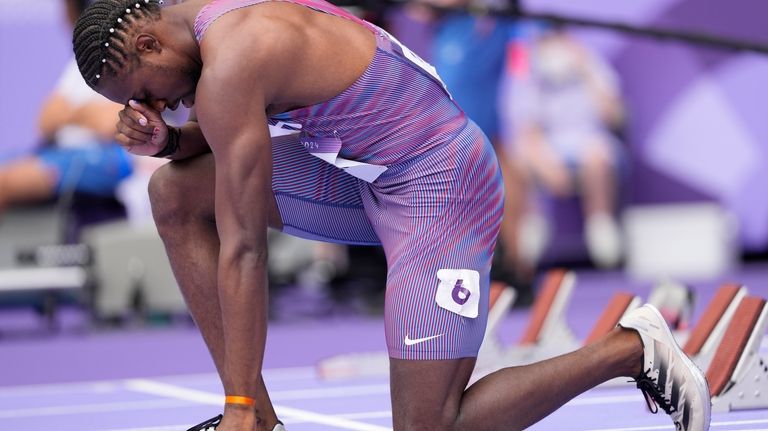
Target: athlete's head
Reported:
[(132, 49)]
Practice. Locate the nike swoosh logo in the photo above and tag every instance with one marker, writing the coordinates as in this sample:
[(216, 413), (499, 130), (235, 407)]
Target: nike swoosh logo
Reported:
[(409, 342)]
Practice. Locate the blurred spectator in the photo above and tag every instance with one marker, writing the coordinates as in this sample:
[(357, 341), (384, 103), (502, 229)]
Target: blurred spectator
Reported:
[(469, 53), (79, 154), (564, 106), (413, 24)]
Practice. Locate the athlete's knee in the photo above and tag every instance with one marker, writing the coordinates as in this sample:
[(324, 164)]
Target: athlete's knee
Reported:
[(178, 191), (423, 421), (164, 194)]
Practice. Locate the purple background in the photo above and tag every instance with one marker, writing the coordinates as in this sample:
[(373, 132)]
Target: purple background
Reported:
[(696, 131), (34, 46)]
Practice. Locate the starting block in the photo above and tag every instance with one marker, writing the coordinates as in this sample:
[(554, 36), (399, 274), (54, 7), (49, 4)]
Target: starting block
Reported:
[(501, 299), (675, 303), (547, 333), (738, 375), (706, 335), (620, 304), (555, 336), (362, 364)]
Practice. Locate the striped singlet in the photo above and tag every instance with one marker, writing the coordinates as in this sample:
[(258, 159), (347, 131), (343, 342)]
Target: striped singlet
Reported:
[(392, 160)]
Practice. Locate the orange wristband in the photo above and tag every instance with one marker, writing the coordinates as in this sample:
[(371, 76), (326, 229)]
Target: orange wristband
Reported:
[(244, 401)]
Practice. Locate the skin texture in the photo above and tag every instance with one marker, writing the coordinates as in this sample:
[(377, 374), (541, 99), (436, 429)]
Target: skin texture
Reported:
[(213, 205), (24, 181)]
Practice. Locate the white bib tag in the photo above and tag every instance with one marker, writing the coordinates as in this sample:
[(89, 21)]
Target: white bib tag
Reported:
[(459, 291), (327, 148), (417, 61)]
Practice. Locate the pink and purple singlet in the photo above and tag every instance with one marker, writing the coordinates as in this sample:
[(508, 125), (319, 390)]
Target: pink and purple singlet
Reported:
[(392, 160)]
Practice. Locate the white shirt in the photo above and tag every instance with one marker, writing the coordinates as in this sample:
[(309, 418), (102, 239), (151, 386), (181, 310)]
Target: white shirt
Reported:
[(74, 89)]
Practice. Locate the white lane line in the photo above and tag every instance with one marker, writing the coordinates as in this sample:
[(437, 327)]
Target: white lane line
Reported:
[(384, 414), (146, 386), (367, 415), (202, 397), (330, 392), (329, 419), (270, 375), (92, 408), (165, 428), (387, 413), (670, 427), (656, 427), (616, 399), (741, 422), (57, 389), (293, 373)]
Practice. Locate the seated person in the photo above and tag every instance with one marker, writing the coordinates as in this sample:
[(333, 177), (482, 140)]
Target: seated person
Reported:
[(78, 127), (564, 103)]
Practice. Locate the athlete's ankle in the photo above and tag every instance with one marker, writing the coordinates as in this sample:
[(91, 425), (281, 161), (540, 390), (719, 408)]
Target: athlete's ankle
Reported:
[(244, 416), (631, 347)]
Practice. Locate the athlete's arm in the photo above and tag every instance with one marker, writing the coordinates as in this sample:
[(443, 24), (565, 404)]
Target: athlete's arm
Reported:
[(142, 131), (233, 94)]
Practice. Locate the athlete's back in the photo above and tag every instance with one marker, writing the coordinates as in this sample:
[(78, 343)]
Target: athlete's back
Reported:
[(328, 53), (394, 108)]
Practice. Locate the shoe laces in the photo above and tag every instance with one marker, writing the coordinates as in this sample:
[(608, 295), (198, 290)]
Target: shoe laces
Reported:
[(211, 423), (653, 393)]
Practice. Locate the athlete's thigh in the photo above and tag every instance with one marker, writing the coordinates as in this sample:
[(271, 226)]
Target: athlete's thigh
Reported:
[(315, 199), (435, 315), (438, 230), (438, 221)]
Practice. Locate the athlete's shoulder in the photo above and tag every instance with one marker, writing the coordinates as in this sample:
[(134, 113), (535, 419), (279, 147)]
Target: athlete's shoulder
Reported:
[(250, 35), (248, 23), (255, 53)]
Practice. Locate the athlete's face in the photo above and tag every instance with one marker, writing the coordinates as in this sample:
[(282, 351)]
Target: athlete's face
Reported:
[(162, 80)]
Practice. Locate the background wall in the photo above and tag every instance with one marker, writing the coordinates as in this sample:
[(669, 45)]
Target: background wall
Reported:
[(34, 46), (697, 129)]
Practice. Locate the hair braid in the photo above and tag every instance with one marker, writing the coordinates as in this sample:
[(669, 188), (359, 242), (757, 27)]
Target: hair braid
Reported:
[(101, 33)]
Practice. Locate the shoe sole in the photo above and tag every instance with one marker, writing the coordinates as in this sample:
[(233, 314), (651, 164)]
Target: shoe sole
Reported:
[(701, 381)]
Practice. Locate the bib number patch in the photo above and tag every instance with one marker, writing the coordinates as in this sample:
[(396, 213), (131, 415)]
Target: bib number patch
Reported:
[(459, 291)]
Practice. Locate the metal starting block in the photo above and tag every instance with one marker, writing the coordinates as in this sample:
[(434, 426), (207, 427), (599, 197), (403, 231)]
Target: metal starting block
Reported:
[(502, 298), (675, 302), (547, 333), (706, 335), (738, 373)]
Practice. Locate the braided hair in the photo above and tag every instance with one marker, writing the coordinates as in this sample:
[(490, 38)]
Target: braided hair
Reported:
[(80, 5), (101, 35)]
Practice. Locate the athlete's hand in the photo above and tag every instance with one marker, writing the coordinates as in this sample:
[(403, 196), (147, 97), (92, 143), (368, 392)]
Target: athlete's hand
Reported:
[(141, 129)]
